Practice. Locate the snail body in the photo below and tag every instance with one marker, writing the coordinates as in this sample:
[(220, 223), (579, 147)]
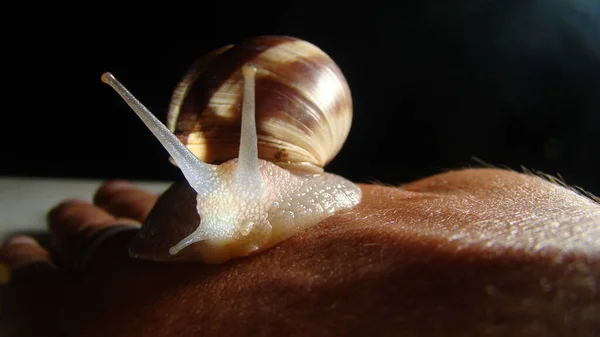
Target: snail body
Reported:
[(258, 198)]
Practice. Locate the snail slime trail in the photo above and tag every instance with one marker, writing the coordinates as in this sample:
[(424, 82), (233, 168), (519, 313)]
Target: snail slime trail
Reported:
[(245, 205)]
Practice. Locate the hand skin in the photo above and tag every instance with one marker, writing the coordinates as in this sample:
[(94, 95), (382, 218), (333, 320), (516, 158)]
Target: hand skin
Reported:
[(478, 252)]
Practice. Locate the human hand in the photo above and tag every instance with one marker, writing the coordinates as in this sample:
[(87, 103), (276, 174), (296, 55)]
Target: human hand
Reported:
[(480, 252)]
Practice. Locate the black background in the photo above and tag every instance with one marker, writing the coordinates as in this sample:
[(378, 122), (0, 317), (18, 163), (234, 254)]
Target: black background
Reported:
[(435, 84)]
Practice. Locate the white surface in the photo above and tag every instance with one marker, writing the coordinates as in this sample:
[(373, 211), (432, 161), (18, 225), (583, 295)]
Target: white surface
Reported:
[(24, 202)]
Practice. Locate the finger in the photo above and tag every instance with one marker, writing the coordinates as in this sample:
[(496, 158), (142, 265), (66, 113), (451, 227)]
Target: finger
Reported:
[(123, 199), (74, 222), (19, 252)]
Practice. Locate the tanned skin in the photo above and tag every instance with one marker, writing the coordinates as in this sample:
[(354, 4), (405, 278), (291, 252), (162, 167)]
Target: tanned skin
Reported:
[(477, 252)]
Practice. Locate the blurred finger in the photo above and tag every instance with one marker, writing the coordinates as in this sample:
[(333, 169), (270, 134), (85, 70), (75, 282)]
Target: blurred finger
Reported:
[(123, 199), (20, 252), (74, 222)]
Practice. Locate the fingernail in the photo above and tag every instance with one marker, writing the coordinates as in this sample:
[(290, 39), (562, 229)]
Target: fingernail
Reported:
[(4, 274), (64, 204), (20, 240), (117, 185), (76, 201)]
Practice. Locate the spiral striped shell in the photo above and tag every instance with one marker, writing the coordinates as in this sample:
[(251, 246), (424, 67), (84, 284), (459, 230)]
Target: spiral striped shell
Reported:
[(303, 104)]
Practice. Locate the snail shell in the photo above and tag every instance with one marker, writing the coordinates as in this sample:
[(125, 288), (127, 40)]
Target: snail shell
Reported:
[(266, 104), (303, 104)]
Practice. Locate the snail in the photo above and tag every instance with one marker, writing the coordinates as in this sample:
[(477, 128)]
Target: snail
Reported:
[(251, 127)]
